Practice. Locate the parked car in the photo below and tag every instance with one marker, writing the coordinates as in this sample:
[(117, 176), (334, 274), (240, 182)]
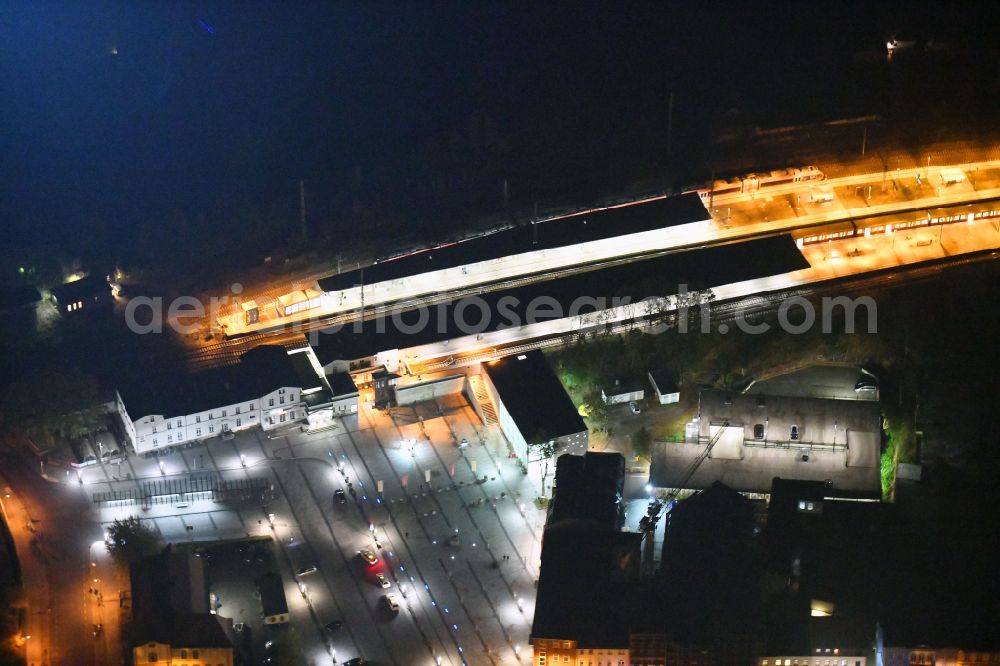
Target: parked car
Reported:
[(340, 496), (369, 557), (305, 571), (383, 582), (464, 443), (865, 385), (334, 626), (392, 602), (634, 406)]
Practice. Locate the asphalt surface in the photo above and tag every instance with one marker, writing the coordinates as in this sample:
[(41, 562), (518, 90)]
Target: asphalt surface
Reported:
[(468, 600)]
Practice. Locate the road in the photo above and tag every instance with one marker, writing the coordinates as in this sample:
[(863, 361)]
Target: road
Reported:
[(49, 522)]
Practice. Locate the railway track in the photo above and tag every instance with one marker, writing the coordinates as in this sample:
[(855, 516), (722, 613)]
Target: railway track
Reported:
[(726, 312)]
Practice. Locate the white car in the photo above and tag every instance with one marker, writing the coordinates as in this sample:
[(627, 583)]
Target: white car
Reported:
[(392, 602), (383, 582), (634, 406)]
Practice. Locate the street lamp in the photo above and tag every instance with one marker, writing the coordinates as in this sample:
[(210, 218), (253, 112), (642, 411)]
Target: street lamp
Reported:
[(243, 460)]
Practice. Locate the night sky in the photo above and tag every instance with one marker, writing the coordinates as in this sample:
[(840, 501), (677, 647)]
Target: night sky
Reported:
[(119, 117)]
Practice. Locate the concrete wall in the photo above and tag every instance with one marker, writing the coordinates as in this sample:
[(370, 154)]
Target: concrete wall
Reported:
[(423, 391)]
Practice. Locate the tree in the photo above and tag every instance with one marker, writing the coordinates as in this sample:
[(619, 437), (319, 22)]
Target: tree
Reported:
[(50, 403), (130, 540), (641, 442), (543, 448)]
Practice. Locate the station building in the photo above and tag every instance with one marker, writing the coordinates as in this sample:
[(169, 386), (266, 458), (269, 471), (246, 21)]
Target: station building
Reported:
[(269, 388)]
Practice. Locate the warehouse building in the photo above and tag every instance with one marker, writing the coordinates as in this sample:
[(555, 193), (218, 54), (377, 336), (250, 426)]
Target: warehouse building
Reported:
[(756, 437)]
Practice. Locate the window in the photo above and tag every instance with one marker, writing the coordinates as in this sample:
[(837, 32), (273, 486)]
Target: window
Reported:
[(169, 425), (210, 415), (271, 402), (170, 438), (282, 400), (180, 436), (154, 441), (758, 431), (197, 419), (179, 423), (211, 429), (184, 654), (291, 396), (239, 422), (151, 658), (223, 412), (237, 410), (194, 654), (154, 429), (252, 407), (281, 391), (197, 432), (282, 417), (795, 433)]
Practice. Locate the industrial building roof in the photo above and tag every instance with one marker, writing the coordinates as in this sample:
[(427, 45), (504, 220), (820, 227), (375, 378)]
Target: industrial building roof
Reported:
[(661, 276), (260, 371), (534, 397), (569, 230)]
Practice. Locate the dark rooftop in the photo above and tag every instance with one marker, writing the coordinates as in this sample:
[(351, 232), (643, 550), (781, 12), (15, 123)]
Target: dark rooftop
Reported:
[(664, 378), (589, 487), (260, 371), (82, 289), (272, 594), (661, 276), (534, 397), (578, 228), (583, 584), (170, 602), (341, 384)]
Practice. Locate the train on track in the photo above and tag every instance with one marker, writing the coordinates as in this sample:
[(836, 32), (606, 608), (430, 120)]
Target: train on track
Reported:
[(755, 182), (872, 227)]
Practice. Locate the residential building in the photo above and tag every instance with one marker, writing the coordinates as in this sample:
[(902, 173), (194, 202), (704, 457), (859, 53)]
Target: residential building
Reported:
[(532, 405), (87, 293), (589, 487), (589, 569), (172, 622)]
